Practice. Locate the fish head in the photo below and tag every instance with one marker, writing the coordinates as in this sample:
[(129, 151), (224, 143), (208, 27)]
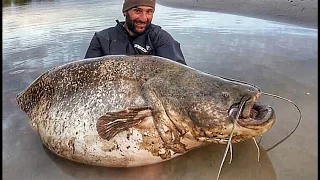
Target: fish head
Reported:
[(223, 106)]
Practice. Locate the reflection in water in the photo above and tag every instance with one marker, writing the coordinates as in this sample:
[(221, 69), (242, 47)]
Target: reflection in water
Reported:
[(19, 2), (277, 57), (61, 33), (191, 166), (15, 2)]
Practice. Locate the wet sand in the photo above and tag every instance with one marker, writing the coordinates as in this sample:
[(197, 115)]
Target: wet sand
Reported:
[(303, 13), (296, 158)]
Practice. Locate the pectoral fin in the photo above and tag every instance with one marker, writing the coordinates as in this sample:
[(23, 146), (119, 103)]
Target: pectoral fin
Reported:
[(113, 123)]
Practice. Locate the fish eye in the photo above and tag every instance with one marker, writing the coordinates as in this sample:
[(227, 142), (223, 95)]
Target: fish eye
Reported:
[(225, 95)]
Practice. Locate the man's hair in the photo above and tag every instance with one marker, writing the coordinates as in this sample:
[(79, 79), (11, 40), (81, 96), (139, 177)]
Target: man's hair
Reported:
[(128, 4)]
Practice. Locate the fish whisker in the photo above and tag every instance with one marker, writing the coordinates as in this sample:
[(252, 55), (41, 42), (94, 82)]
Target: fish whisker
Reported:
[(295, 128), (255, 142), (231, 135), (230, 153)]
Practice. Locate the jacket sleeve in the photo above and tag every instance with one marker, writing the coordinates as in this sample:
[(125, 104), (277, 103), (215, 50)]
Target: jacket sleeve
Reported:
[(94, 49), (169, 48)]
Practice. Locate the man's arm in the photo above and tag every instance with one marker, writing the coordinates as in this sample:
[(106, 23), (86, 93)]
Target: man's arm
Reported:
[(169, 48), (94, 49)]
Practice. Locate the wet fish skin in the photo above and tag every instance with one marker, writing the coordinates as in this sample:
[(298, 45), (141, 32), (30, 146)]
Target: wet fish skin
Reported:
[(185, 109)]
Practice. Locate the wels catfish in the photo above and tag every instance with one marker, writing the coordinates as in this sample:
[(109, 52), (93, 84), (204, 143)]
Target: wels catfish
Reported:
[(124, 111)]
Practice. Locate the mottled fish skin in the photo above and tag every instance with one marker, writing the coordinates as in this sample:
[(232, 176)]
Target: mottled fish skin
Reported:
[(188, 109)]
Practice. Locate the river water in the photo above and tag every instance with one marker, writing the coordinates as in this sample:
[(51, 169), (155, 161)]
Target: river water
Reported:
[(279, 58)]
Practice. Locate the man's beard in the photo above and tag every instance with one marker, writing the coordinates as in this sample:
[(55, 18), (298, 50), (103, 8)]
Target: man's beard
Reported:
[(130, 23)]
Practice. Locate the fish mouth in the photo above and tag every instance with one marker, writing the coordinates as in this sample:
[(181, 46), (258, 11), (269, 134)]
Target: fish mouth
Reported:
[(256, 117), (253, 115)]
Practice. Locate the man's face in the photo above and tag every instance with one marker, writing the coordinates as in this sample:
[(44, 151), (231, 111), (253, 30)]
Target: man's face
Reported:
[(138, 19)]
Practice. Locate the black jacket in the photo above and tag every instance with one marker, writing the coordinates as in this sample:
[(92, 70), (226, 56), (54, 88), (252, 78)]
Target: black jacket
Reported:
[(117, 41)]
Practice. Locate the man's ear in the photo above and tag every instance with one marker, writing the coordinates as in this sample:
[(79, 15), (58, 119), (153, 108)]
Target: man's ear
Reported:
[(124, 14)]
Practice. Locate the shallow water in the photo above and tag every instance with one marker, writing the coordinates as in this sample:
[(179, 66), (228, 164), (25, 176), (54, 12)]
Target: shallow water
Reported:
[(279, 58)]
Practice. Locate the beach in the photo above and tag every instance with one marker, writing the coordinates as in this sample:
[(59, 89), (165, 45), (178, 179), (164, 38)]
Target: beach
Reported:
[(296, 157), (303, 13)]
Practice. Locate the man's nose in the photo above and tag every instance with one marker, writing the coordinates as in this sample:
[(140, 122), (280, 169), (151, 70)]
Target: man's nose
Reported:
[(143, 17)]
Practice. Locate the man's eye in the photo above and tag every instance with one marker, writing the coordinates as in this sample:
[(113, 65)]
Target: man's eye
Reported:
[(137, 10), (150, 12)]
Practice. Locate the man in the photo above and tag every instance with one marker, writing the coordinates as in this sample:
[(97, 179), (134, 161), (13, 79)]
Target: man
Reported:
[(135, 36)]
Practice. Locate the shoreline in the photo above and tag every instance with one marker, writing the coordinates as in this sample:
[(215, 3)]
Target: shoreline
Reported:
[(303, 14)]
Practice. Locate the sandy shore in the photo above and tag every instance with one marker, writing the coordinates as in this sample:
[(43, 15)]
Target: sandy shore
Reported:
[(302, 13)]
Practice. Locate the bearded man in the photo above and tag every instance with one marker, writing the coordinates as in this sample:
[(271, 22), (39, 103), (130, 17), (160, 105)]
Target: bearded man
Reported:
[(136, 36)]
